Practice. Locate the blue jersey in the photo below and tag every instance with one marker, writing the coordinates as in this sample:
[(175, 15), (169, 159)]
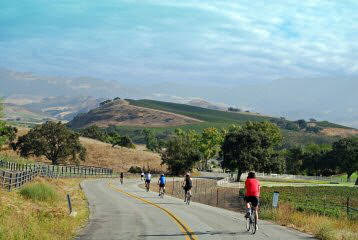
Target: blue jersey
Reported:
[(162, 180)]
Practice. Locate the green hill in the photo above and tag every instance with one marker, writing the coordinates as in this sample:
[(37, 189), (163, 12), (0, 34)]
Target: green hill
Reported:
[(208, 115), (215, 118), (132, 116)]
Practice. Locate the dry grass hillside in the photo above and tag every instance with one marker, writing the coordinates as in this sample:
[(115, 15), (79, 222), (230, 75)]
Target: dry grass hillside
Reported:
[(120, 113), (339, 132), (120, 158), (104, 155)]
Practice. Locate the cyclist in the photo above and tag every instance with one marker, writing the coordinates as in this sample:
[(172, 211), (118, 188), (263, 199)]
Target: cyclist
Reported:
[(187, 185), (121, 177), (252, 194), (161, 183), (148, 177)]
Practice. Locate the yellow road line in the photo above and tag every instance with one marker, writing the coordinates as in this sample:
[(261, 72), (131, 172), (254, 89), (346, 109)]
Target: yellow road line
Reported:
[(184, 228)]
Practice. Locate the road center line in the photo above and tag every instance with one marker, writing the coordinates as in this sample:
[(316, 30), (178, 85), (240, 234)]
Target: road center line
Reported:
[(184, 228)]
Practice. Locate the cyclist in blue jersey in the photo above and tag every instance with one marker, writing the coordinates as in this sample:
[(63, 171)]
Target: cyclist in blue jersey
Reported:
[(161, 183)]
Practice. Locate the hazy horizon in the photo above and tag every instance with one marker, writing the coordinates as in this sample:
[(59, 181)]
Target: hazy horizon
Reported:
[(295, 59)]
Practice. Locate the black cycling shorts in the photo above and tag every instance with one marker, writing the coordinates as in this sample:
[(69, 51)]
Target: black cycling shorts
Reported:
[(253, 200), (147, 181), (161, 185), (186, 188)]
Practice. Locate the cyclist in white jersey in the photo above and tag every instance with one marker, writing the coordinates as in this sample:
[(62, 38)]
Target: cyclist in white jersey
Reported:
[(148, 177)]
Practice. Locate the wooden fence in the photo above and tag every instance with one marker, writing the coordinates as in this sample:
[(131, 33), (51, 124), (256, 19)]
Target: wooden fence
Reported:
[(14, 175), (10, 180)]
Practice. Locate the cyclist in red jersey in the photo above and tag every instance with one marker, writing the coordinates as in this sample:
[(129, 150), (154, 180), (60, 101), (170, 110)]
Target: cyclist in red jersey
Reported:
[(252, 193)]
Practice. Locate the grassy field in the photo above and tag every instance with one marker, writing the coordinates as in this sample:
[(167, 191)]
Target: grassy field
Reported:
[(39, 210), (323, 200), (197, 112)]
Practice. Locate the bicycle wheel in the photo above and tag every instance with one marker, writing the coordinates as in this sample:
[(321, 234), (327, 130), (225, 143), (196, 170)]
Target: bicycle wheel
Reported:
[(188, 199), (253, 222), (248, 224)]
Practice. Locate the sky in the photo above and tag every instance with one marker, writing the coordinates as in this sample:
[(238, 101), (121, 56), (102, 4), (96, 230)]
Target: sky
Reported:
[(189, 42)]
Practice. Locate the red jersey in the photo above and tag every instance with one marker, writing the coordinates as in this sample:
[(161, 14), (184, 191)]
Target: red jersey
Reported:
[(252, 186)]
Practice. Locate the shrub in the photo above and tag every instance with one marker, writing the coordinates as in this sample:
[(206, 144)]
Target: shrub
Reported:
[(39, 192), (135, 169)]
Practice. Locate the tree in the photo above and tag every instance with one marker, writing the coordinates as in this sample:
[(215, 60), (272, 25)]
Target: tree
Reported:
[(313, 129), (7, 133), (294, 160), (94, 132), (181, 152), (123, 141), (252, 148), (210, 143), (54, 141), (105, 102), (345, 152), (302, 124), (151, 141), (3, 137), (314, 157)]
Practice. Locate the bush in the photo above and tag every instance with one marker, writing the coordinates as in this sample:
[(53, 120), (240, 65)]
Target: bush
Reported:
[(39, 191), (135, 169)]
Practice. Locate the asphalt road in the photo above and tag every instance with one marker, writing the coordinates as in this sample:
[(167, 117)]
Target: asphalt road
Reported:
[(129, 212)]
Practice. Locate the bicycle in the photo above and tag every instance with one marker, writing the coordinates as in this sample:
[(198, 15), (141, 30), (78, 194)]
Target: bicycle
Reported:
[(251, 223), (187, 197), (147, 186), (161, 193)]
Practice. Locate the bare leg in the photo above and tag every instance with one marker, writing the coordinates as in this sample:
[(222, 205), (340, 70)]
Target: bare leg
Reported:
[(257, 214)]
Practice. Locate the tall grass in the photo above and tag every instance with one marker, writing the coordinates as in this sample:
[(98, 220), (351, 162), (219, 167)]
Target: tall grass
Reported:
[(39, 191), (22, 218), (322, 227)]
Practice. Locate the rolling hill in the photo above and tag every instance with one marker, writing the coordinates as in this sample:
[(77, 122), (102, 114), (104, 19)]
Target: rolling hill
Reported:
[(121, 113), (130, 117)]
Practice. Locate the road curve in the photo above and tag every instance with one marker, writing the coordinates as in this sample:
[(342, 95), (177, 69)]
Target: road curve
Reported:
[(128, 212)]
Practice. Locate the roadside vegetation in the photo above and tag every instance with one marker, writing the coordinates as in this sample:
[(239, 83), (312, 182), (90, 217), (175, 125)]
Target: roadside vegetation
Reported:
[(39, 210), (320, 226)]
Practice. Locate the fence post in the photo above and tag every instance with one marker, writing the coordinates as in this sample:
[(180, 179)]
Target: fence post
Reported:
[(10, 181), (3, 179), (205, 195), (217, 197), (69, 203), (348, 206), (173, 188), (196, 185)]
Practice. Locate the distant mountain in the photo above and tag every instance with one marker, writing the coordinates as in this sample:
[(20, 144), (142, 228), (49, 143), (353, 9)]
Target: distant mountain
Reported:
[(28, 109), (29, 84)]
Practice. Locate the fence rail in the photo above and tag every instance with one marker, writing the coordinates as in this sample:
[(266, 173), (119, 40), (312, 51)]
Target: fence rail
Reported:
[(14, 175), (233, 176)]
